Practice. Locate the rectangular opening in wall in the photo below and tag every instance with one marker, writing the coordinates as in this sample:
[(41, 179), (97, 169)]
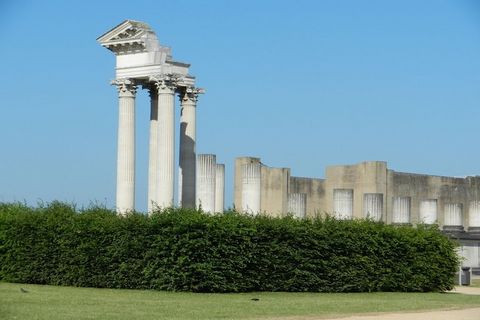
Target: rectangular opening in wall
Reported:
[(343, 203), (428, 211), (401, 209), (373, 206)]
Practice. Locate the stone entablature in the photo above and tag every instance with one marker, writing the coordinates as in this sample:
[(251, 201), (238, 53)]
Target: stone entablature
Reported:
[(139, 54)]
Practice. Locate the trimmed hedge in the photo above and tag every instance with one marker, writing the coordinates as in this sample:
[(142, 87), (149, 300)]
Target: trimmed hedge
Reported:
[(186, 250)]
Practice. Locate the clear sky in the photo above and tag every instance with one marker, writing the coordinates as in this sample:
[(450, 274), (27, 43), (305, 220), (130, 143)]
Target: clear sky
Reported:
[(301, 84)]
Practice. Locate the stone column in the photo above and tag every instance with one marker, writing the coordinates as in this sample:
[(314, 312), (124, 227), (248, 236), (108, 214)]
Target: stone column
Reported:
[(126, 146), (165, 177), (152, 152), (207, 167), (187, 158), (297, 204), (220, 188), (251, 187)]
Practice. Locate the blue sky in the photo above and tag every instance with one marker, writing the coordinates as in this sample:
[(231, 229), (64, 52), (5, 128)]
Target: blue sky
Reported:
[(301, 84)]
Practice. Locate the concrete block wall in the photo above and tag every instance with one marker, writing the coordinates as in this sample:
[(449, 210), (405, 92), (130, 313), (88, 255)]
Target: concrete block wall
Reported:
[(366, 177), (368, 180), (315, 193)]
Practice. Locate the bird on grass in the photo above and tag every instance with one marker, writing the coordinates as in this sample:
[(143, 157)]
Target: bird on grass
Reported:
[(23, 290)]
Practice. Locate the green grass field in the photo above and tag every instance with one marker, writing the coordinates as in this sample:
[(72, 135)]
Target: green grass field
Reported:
[(51, 302), (476, 283)]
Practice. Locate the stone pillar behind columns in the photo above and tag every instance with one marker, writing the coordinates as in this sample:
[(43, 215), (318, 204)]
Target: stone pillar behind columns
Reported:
[(206, 170), (297, 204), (251, 187), (187, 158), (165, 178), (220, 188), (126, 146), (152, 156)]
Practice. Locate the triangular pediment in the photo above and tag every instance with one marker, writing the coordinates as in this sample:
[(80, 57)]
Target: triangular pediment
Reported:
[(129, 37)]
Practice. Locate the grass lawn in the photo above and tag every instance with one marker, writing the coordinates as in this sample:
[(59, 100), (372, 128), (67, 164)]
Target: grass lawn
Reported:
[(476, 283), (51, 302)]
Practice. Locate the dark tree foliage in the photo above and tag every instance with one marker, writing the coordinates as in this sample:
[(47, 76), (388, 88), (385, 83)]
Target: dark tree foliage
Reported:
[(187, 250)]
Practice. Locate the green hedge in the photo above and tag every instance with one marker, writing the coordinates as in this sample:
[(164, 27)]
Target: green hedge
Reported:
[(186, 250)]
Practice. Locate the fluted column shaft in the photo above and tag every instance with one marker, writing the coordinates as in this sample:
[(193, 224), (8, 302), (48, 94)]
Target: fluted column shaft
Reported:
[(152, 153), (187, 157), (251, 188), (206, 182), (126, 146), (165, 178)]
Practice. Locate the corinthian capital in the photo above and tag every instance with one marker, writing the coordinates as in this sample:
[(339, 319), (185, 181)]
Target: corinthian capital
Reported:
[(166, 83), (190, 94), (125, 87)]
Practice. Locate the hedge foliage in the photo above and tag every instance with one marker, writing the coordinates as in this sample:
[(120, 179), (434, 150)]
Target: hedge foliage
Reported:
[(186, 250)]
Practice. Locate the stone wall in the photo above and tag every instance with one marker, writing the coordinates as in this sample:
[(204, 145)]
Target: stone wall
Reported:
[(315, 193), (370, 189)]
